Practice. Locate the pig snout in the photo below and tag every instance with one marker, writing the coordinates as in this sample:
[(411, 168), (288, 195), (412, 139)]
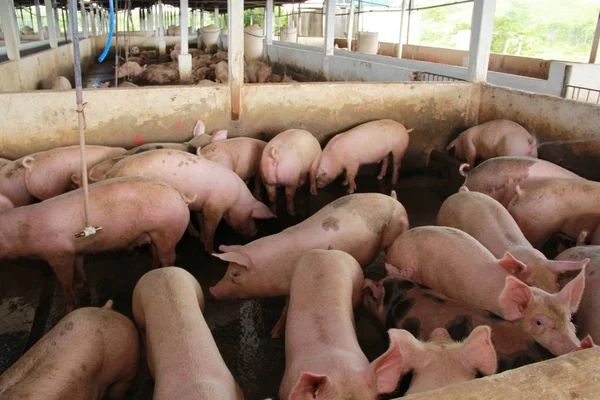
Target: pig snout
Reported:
[(222, 291)]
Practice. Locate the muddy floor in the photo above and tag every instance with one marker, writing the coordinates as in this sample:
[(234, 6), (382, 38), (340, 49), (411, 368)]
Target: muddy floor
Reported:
[(31, 302)]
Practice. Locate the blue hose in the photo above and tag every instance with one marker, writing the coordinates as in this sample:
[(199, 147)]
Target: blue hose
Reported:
[(111, 27)]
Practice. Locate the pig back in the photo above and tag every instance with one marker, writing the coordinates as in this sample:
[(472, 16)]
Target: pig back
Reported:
[(355, 224), (421, 310)]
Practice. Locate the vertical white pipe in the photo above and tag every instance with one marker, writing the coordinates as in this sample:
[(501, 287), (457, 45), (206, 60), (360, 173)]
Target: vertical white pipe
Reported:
[(482, 25), (350, 34), (235, 10), (51, 25), (269, 21), (11, 29), (401, 34), (329, 27)]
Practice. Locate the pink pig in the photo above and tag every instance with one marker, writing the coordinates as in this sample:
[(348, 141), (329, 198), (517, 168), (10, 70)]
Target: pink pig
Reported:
[(287, 160), (241, 155), (92, 353), (368, 143), (216, 192), (456, 265), (359, 224), (13, 191), (131, 212), (562, 206), (323, 358), (498, 176), (441, 361), (499, 137), (488, 222), (50, 173), (183, 357)]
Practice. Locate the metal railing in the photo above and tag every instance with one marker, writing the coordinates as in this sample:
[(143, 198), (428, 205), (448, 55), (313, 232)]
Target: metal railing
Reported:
[(431, 77), (586, 95)]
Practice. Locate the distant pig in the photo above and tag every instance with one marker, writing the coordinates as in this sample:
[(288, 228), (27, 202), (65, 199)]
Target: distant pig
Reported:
[(216, 192), (222, 72), (241, 155), (456, 265), (498, 176), (61, 83), (587, 318), (360, 224), (257, 72), (288, 160), (131, 69), (92, 353), (368, 143), (499, 137), (488, 222), (131, 212), (402, 304), (50, 173), (441, 361), (182, 355), (323, 357), (562, 206)]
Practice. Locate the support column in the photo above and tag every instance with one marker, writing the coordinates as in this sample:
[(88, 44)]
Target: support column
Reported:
[(400, 37), (193, 21), (482, 25), (150, 21), (84, 25), (269, 21), (11, 29), (329, 27), (38, 15), (594, 52), (51, 26), (201, 18), (350, 33), (235, 11), (162, 45), (93, 21), (217, 16), (185, 59)]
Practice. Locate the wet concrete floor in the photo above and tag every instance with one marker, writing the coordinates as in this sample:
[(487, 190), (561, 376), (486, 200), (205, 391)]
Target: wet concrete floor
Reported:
[(31, 302)]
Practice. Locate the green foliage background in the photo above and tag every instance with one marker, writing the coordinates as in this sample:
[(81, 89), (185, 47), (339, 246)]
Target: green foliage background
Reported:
[(550, 29)]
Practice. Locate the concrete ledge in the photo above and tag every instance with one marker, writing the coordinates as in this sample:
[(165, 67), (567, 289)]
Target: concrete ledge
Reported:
[(573, 376)]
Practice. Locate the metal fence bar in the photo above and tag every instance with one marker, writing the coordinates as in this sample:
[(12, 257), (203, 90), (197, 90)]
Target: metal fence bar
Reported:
[(578, 92), (431, 77)]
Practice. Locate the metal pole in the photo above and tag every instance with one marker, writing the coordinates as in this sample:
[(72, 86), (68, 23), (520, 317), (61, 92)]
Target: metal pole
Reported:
[(399, 51), (11, 29), (482, 25), (84, 26), (235, 9), (217, 16), (329, 27), (350, 34), (269, 21), (80, 114), (594, 52)]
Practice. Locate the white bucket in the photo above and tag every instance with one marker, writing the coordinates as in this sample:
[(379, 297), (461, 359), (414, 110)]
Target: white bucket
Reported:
[(288, 34), (224, 38), (368, 42), (253, 43), (210, 35)]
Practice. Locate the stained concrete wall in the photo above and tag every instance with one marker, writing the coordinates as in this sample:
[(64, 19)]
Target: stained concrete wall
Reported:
[(573, 376), (124, 117), (27, 73)]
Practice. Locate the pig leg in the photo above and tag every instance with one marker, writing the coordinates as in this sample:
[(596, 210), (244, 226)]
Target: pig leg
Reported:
[(470, 153), (384, 166), (164, 249), (397, 164), (257, 187), (79, 273), (212, 217), (63, 266), (272, 192), (290, 192), (351, 172), (279, 327)]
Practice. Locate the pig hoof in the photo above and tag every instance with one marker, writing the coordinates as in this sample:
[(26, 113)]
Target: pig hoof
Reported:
[(379, 177)]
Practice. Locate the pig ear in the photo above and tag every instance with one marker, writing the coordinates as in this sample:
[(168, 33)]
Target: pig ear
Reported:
[(512, 265), (587, 343), (414, 355), (76, 180), (515, 298), (558, 267), (377, 290), (572, 292), (309, 386), (219, 135), (241, 259), (261, 211), (199, 129), (478, 352), (387, 369)]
